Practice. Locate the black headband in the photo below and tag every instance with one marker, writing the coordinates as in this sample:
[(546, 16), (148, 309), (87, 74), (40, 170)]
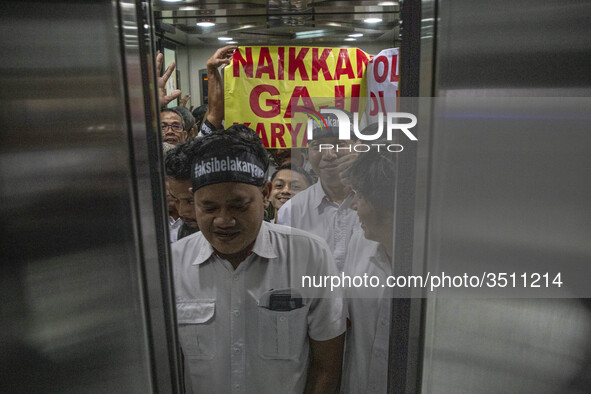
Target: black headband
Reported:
[(234, 165)]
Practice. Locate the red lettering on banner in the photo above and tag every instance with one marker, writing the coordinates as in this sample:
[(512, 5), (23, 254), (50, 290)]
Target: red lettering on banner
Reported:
[(274, 104), (390, 68), (320, 64), (299, 92), (376, 73), (304, 140), (277, 131), (362, 60), (280, 66), (383, 104), (374, 107), (247, 64), (262, 134), (297, 63), (355, 90), (394, 69), (339, 95), (343, 65), (294, 133), (265, 65)]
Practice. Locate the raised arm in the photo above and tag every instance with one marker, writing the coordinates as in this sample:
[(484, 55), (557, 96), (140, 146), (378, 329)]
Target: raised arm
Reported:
[(324, 372), (215, 85), (163, 98), (184, 100)]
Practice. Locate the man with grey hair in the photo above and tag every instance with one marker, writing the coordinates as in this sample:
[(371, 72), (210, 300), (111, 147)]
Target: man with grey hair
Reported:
[(188, 120), (172, 126)]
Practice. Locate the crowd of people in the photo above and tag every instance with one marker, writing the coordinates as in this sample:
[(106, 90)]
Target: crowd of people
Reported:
[(246, 224)]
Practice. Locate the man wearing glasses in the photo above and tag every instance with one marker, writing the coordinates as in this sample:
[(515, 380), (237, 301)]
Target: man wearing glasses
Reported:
[(172, 127)]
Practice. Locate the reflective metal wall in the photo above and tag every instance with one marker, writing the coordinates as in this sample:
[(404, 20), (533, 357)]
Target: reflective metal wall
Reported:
[(491, 192), (83, 295)]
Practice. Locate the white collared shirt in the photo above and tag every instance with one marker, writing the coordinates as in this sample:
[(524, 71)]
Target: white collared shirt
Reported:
[(311, 210), (231, 340), (366, 357), (174, 226)]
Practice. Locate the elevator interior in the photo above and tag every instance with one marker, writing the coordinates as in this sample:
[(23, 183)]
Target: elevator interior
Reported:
[(88, 304)]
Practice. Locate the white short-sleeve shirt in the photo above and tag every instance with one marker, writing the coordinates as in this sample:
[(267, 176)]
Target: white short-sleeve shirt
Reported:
[(369, 309), (174, 226), (231, 340), (311, 210)]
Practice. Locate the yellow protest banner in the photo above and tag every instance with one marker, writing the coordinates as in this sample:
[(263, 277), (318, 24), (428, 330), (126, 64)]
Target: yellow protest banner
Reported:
[(262, 82)]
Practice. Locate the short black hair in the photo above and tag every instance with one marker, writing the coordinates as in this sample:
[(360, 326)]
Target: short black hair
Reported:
[(296, 168), (199, 113), (178, 161), (373, 175)]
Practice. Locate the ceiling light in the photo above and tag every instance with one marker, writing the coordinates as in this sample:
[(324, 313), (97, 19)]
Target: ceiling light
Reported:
[(350, 39), (386, 3), (171, 1), (232, 42), (310, 34), (205, 24), (356, 35), (225, 38), (373, 20)]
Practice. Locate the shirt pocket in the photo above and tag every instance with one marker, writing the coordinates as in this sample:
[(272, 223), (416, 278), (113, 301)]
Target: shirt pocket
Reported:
[(196, 328), (282, 334)]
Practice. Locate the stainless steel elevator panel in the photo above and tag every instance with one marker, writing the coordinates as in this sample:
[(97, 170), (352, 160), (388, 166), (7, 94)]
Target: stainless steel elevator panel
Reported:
[(506, 196), (79, 311)]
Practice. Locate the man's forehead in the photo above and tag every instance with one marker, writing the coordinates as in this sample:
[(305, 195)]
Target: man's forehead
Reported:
[(227, 191), (181, 184), (177, 181), (296, 176), (170, 115), (287, 174)]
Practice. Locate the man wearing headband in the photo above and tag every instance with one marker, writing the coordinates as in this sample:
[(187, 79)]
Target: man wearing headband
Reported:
[(324, 208), (246, 324)]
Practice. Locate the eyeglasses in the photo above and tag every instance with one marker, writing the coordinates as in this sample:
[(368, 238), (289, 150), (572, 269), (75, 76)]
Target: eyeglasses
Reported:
[(176, 127)]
